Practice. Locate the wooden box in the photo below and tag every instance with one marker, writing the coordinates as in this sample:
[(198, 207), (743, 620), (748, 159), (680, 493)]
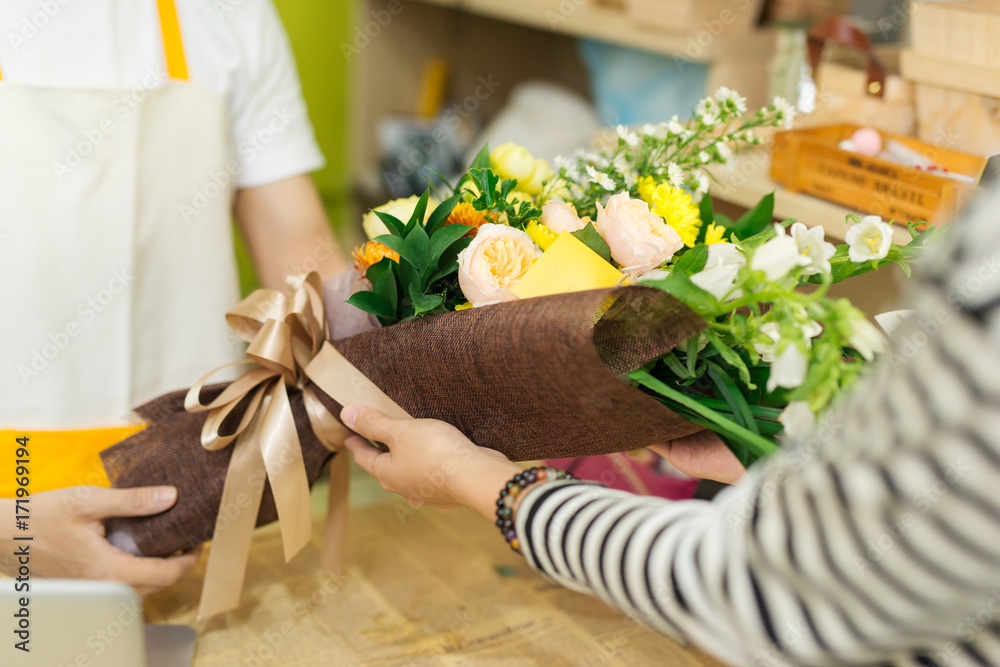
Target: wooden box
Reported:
[(811, 161), (955, 63), (789, 11), (711, 17)]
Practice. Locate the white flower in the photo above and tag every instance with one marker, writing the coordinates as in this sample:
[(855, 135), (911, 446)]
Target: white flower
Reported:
[(592, 174), (606, 182), (725, 96), (891, 320), (494, 262), (675, 175), (630, 138), (564, 163), (786, 112), (704, 157), (674, 127), (778, 257), (798, 419), (639, 239), (630, 180), (702, 184), (649, 130), (769, 351), (789, 369), (710, 120), (654, 276), (704, 106), (620, 164), (725, 152), (866, 338), (869, 240), (812, 245), (719, 275)]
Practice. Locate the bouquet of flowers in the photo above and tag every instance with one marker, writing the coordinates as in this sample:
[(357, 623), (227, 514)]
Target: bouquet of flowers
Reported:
[(603, 308), (771, 356)]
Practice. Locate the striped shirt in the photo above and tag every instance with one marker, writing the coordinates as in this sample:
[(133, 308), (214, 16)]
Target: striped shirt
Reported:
[(875, 540)]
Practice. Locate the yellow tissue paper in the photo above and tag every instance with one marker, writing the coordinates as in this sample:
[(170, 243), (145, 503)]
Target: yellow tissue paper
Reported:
[(567, 266)]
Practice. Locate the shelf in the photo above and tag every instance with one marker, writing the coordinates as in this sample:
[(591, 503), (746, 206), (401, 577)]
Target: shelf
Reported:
[(746, 181), (611, 25)]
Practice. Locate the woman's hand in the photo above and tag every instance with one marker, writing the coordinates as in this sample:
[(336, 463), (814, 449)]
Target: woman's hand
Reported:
[(68, 530), (702, 455), (428, 462)]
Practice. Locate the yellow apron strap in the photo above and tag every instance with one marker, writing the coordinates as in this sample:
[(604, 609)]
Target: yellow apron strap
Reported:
[(173, 46)]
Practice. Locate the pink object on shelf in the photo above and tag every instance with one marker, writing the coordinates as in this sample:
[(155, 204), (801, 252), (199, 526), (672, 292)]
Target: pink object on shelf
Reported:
[(867, 141), (628, 473)]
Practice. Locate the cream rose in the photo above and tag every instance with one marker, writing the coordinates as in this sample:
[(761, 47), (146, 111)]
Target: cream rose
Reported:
[(638, 238), (494, 262), (401, 209), (560, 216)]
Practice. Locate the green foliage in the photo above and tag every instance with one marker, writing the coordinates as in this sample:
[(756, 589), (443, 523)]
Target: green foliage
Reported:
[(416, 285), (594, 241), (494, 198)]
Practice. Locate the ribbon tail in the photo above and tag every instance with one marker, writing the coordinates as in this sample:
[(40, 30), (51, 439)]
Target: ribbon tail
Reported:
[(230, 552), (340, 380), (335, 525), (286, 470)]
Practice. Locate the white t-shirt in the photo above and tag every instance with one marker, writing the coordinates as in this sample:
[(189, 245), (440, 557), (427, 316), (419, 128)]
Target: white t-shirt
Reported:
[(236, 48)]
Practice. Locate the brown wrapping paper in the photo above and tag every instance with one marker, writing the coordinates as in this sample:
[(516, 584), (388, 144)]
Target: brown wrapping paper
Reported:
[(538, 378)]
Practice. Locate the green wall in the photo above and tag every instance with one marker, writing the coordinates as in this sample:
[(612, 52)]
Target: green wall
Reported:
[(316, 29)]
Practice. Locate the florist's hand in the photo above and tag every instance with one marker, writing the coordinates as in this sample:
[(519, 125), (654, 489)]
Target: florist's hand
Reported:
[(702, 455), (428, 462), (69, 542)]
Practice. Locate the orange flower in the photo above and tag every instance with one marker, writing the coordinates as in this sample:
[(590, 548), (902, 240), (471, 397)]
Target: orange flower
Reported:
[(370, 253), (466, 214)]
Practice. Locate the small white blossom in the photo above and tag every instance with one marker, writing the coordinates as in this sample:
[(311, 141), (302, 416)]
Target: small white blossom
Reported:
[(778, 257), (726, 95), (653, 276), (630, 180), (866, 338), (798, 419), (650, 130), (674, 127), (606, 182), (786, 112), (869, 240), (704, 106), (891, 320), (718, 278), (630, 138), (702, 184), (789, 369), (675, 175), (564, 163), (725, 152), (620, 163), (811, 244), (769, 351), (710, 120), (704, 157)]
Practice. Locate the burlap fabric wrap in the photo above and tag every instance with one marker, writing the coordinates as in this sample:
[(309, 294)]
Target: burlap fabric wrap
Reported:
[(538, 378)]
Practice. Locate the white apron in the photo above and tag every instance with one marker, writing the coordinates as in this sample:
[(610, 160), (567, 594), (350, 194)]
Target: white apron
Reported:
[(116, 251)]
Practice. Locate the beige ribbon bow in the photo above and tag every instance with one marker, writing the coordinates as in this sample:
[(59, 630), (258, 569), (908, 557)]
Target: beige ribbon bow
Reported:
[(288, 347)]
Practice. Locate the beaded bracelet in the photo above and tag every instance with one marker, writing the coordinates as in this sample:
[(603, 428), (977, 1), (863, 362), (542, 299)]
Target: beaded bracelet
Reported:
[(505, 510)]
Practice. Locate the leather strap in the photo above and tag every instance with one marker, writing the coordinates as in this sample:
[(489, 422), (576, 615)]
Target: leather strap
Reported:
[(838, 30), (173, 45)]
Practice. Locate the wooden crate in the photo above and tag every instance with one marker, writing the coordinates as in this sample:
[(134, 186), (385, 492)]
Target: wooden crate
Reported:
[(955, 63), (810, 161), (714, 17)]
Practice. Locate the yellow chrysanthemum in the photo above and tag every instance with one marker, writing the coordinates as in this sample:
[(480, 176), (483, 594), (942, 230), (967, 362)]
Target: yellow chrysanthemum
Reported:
[(714, 234), (463, 306), (540, 234), (678, 210), (370, 253), (465, 214), (646, 187)]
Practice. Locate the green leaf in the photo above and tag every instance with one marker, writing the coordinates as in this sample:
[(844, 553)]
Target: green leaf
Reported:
[(395, 243), (442, 239), (756, 443), (482, 160), (594, 241), (372, 303), (756, 219), (680, 287), (443, 272), (732, 395), (424, 303), (417, 247), (678, 369), (441, 213), (692, 261), (385, 287), (373, 272), (392, 223), (706, 211), (419, 213), (732, 358), (692, 354)]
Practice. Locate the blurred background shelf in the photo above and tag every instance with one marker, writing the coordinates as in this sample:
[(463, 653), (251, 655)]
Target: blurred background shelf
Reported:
[(608, 24)]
